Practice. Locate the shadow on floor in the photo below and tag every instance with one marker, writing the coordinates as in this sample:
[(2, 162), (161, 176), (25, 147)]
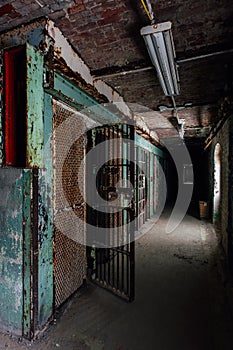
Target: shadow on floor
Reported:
[(181, 300)]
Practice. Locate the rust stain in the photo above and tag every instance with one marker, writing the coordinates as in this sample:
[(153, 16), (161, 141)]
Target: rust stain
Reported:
[(57, 52), (76, 78)]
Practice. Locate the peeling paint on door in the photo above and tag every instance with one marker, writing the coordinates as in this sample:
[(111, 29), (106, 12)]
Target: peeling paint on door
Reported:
[(45, 221), (11, 241), (35, 107)]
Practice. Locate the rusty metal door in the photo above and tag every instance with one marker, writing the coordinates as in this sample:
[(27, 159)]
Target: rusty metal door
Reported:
[(111, 258)]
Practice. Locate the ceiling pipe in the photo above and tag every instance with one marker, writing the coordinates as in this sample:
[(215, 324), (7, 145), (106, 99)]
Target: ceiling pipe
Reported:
[(178, 108), (150, 10), (138, 70), (218, 53), (131, 71)]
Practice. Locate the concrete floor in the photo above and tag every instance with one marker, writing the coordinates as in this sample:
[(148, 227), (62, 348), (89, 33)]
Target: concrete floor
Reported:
[(181, 300)]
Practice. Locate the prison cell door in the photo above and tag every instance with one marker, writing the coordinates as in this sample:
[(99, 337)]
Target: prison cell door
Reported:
[(113, 257)]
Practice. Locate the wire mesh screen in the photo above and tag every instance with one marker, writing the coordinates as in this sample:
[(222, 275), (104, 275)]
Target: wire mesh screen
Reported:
[(69, 207)]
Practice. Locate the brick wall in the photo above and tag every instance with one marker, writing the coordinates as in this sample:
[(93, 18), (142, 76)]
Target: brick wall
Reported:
[(101, 29)]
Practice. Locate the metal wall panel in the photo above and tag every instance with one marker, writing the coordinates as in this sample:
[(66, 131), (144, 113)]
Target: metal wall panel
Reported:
[(11, 243)]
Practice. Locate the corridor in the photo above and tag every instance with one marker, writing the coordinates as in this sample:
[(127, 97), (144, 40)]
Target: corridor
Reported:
[(109, 111), (181, 300)]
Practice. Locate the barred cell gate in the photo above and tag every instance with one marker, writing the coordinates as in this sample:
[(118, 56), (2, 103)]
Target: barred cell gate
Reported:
[(111, 222)]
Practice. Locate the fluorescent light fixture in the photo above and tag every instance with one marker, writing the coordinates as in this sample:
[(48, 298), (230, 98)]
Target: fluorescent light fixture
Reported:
[(160, 45)]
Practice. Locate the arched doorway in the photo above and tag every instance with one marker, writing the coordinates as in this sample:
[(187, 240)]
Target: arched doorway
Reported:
[(217, 184)]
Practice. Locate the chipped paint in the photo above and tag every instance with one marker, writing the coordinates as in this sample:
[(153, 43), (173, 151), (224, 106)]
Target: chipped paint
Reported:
[(11, 258), (45, 222), (65, 50), (32, 33), (35, 107), (61, 67), (26, 188)]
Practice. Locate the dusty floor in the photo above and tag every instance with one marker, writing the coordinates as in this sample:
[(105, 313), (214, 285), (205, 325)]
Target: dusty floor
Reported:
[(181, 300)]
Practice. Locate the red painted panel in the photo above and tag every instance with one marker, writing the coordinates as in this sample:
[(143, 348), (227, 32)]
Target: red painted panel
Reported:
[(9, 108), (14, 74)]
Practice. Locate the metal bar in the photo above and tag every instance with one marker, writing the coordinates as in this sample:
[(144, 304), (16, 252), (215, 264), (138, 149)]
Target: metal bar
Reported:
[(213, 54), (128, 274), (128, 214), (110, 262), (99, 214), (105, 216), (131, 71), (132, 225), (122, 254), (122, 218), (97, 258), (132, 271), (137, 187), (119, 213), (109, 179), (112, 176)]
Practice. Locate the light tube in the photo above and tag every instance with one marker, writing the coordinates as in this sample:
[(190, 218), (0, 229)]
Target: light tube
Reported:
[(160, 45)]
